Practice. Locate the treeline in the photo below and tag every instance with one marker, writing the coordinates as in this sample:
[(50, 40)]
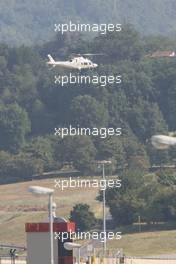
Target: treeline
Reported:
[(26, 22), (148, 197), (32, 105), (145, 202)]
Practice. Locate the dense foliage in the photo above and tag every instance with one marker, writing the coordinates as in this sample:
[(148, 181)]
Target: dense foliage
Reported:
[(150, 196), (30, 23), (83, 217), (32, 105)]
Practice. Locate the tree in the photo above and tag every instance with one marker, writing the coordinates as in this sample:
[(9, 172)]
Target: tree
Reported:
[(14, 126), (111, 148), (167, 177), (83, 217), (16, 168), (160, 205), (88, 112), (79, 149), (164, 72), (135, 153), (41, 148), (125, 203), (120, 45), (146, 120)]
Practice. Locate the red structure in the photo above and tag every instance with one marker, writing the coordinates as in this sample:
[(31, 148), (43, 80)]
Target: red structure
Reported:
[(38, 243), (162, 54)]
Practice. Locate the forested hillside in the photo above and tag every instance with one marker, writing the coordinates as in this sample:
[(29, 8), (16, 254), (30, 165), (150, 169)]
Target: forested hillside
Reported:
[(32, 105), (28, 22)]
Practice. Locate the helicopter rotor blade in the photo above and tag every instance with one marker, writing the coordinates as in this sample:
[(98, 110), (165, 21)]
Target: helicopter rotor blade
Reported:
[(88, 54), (93, 54)]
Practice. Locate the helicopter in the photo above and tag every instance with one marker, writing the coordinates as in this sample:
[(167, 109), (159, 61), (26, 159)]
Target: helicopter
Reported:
[(77, 62), (162, 141)]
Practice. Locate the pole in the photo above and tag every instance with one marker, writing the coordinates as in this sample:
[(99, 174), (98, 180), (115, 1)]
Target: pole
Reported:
[(51, 228), (104, 213), (139, 222), (115, 9), (79, 249)]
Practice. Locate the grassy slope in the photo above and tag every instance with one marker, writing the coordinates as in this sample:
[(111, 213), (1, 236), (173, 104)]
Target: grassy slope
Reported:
[(15, 201), (149, 243)]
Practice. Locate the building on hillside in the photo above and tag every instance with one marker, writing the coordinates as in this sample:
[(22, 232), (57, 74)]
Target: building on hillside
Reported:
[(162, 54)]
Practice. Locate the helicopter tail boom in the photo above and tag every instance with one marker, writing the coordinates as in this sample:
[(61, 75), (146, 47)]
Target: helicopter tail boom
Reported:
[(51, 60)]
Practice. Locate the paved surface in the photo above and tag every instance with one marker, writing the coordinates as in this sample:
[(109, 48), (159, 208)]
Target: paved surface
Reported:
[(165, 259), (6, 261), (150, 261)]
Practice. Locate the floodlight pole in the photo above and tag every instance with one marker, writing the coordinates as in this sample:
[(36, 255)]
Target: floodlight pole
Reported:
[(38, 190), (79, 255), (51, 228), (104, 211), (103, 162)]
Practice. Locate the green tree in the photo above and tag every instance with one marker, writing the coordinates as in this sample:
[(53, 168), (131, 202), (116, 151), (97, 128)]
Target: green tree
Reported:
[(146, 120), (41, 148), (79, 149), (125, 203), (111, 148), (122, 45), (88, 112), (161, 205), (16, 168), (83, 217), (14, 126)]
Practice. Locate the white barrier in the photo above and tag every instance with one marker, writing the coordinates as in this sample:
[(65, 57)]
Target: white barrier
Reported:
[(9, 261), (149, 261), (107, 260)]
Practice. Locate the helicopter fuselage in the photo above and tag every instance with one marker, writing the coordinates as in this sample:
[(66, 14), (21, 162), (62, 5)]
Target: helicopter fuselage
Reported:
[(75, 63)]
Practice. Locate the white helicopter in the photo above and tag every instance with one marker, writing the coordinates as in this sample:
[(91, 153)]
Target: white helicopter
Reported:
[(78, 62), (163, 142)]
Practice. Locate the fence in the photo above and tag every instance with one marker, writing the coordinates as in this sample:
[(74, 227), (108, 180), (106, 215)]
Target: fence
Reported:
[(109, 260), (9, 260), (150, 260), (129, 260)]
